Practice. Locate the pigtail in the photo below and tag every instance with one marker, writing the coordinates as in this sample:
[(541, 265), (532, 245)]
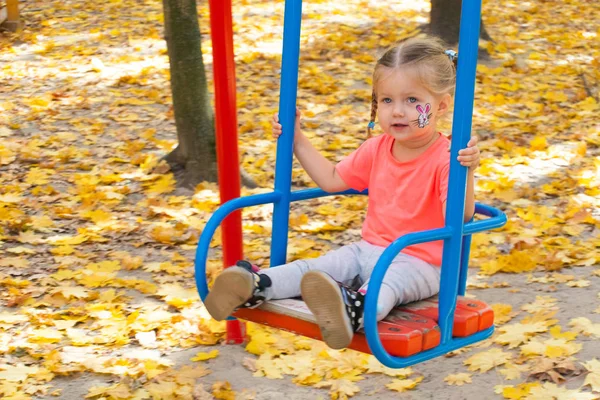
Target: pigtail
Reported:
[(373, 114), (453, 56)]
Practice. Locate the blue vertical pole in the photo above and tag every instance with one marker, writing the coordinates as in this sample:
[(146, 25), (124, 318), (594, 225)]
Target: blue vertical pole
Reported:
[(287, 114), (461, 131)]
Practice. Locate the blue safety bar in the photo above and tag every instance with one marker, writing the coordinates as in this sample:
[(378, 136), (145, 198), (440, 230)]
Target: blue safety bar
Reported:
[(456, 234)]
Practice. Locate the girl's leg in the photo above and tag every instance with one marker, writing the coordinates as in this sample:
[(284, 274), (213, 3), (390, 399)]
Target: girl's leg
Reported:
[(407, 279), (235, 286), (242, 285), (337, 308), (341, 264)]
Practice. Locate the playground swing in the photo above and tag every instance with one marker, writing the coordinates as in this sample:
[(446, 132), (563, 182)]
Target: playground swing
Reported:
[(411, 333)]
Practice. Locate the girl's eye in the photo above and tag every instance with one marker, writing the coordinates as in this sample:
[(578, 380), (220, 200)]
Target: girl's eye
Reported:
[(412, 99), (387, 100)]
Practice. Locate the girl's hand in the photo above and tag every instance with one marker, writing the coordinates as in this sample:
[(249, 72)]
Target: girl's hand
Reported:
[(277, 126), (469, 157)]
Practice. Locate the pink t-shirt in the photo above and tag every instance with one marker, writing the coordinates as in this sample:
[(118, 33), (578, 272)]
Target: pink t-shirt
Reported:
[(404, 197)]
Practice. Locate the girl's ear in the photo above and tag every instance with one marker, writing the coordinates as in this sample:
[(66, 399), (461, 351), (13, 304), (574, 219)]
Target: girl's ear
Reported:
[(444, 104)]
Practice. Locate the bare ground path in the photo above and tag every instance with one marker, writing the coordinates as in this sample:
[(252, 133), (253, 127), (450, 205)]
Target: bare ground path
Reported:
[(228, 365), (97, 244)]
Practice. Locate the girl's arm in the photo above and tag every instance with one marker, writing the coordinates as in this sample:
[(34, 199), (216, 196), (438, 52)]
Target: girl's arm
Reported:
[(468, 157), (321, 170), (470, 197)]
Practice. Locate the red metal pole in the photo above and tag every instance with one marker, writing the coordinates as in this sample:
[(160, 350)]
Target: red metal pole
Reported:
[(226, 137)]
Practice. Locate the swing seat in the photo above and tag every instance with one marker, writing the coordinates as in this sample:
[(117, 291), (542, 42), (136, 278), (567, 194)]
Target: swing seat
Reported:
[(407, 330), (411, 333)]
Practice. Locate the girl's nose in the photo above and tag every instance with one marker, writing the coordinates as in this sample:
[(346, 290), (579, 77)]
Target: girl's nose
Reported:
[(398, 112)]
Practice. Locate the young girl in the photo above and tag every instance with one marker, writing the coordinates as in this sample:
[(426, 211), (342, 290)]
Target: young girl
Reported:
[(406, 172)]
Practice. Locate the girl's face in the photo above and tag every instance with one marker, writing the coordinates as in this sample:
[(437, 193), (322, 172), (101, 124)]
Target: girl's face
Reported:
[(407, 110)]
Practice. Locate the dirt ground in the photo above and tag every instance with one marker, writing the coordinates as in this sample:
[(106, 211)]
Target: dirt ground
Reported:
[(99, 75), (572, 302)]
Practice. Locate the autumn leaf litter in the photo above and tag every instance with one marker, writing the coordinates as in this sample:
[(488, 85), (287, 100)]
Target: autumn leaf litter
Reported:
[(97, 243)]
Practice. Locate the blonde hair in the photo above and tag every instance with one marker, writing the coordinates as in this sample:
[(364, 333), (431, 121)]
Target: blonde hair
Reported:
[(435, 68)]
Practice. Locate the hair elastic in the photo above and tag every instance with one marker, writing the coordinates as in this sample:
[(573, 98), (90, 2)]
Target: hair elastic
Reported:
[(452, 55), (371, 125)]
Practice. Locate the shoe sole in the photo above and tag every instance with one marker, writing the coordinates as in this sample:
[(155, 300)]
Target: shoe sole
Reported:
[(232, 288), (323, 297)]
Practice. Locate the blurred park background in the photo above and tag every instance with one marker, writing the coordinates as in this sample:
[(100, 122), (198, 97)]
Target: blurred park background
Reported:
[(105, 187)]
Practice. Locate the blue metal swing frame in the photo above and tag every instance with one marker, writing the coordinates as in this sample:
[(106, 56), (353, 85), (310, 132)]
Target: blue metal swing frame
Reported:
[(456, 234)]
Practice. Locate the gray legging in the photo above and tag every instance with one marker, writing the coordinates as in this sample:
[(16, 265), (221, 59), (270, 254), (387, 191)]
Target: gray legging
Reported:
[(408, 279)]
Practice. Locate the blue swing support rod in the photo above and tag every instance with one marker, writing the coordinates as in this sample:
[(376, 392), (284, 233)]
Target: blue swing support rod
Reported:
[(456, 234)]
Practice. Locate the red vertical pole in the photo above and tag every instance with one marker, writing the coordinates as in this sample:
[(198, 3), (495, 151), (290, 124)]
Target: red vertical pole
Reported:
[(226, 138)]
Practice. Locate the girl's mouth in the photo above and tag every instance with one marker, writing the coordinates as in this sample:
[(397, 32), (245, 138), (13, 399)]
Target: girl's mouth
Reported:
[(399, 125)]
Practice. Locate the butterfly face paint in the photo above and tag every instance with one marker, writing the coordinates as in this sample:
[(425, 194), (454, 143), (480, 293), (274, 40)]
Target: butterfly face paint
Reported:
[(424, 116)]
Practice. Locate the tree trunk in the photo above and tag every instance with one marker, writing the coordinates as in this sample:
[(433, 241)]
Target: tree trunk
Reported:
[(444, 21), (194, 160)]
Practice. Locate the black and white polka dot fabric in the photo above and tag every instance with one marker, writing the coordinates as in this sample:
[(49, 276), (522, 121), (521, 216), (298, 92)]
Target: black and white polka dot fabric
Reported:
[(354, 302), (258, 297)]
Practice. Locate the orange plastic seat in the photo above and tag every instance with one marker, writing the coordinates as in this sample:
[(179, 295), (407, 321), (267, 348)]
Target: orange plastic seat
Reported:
[(471, 315), (406, 331)]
